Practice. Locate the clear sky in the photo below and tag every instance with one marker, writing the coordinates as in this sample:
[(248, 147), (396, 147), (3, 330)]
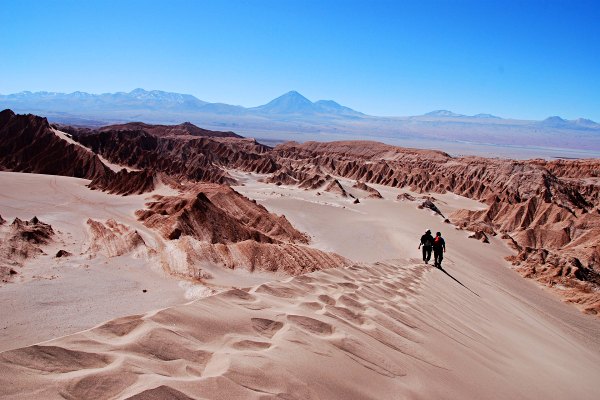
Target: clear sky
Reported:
[(522, 59)]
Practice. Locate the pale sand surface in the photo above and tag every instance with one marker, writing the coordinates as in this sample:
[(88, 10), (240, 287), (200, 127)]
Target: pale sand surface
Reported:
[(374, 229), (386, 331), (54, 297), (395, 329)]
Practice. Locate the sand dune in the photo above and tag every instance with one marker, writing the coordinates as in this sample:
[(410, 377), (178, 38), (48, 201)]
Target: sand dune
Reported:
[(383, 331)]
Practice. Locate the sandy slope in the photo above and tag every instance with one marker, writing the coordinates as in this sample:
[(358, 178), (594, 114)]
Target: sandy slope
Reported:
[(384, 330), (54, 297), (373, 230)]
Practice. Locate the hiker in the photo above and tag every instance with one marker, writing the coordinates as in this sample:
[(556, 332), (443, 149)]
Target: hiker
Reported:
[(439, 248), (426, 242)]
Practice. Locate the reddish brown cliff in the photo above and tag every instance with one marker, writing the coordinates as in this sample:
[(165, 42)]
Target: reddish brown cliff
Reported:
[(28, 144)]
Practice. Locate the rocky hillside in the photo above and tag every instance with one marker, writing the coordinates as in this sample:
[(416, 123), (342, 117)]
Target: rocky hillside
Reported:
[(547, 211), (29, 144)]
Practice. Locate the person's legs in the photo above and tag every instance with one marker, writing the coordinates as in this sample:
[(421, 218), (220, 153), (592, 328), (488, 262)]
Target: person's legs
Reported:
[(439, 256), (425, 258), (428, 254)]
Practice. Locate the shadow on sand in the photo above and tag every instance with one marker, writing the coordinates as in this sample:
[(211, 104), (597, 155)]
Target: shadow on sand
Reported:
[(456, 280)]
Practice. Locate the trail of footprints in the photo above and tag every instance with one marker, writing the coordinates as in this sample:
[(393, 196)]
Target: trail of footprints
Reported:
[(336, 309)]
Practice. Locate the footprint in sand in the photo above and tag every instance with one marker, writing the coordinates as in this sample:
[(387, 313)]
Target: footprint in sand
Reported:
[(311, 325), (350, 301), (349, 285), (161, 392), (304, 279), (312, 305), (266, 327), (250, 345), (238, 294), (277, 291), (345, 314), (327, 300), (54, 359)]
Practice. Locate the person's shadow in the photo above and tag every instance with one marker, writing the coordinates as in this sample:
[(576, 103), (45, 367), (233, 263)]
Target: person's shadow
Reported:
[(456, 280)]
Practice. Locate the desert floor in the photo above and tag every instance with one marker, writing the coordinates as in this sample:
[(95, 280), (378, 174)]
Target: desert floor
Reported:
[(389, 327)]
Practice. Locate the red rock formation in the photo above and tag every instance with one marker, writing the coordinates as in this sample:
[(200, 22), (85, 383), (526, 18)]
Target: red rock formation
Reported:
[(184, 157), (214, 224), (21, 241), (112, 238), (335, 187), (217, 214), (373, 193), (28, 144), (431, 206), (62, 253), (405, 197), (547, 210), (125, 182), (480, 235), (289, 258)]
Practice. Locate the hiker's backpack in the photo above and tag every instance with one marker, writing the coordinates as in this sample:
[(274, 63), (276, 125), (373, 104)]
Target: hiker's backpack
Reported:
[(437, 241)]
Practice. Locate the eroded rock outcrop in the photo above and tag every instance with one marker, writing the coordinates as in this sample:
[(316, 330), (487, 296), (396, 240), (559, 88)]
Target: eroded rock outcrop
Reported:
[(373, 193), (125, 182), (113, 239), (185, 157), (214, 224), (20, 241), (335, 187), (28, 144), (546, 210)]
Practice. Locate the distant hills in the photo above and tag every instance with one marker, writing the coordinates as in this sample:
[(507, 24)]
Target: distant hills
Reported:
[(294, 103), (292, 116), (289, 104), (140, 99), (450, 114)]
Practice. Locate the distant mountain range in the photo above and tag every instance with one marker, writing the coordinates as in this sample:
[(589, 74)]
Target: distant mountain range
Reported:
[(139, 99), (290, 103), (293, 116), (446, 113)]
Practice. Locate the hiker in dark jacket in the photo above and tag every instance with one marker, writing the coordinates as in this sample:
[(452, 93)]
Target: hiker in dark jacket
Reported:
[(427, 243), (439, 248)]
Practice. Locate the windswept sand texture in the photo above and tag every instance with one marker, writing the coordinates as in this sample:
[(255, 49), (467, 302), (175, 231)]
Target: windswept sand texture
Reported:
[(383, 331)]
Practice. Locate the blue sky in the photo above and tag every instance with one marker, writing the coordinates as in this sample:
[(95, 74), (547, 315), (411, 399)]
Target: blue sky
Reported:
[(522, 59)]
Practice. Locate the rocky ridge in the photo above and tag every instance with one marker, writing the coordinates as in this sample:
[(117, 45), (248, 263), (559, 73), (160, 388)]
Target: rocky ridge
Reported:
[(548, 211), (28, 144)]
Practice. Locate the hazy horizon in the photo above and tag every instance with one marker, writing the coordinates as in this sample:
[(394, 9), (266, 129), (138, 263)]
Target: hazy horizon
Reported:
[(521, 60)]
